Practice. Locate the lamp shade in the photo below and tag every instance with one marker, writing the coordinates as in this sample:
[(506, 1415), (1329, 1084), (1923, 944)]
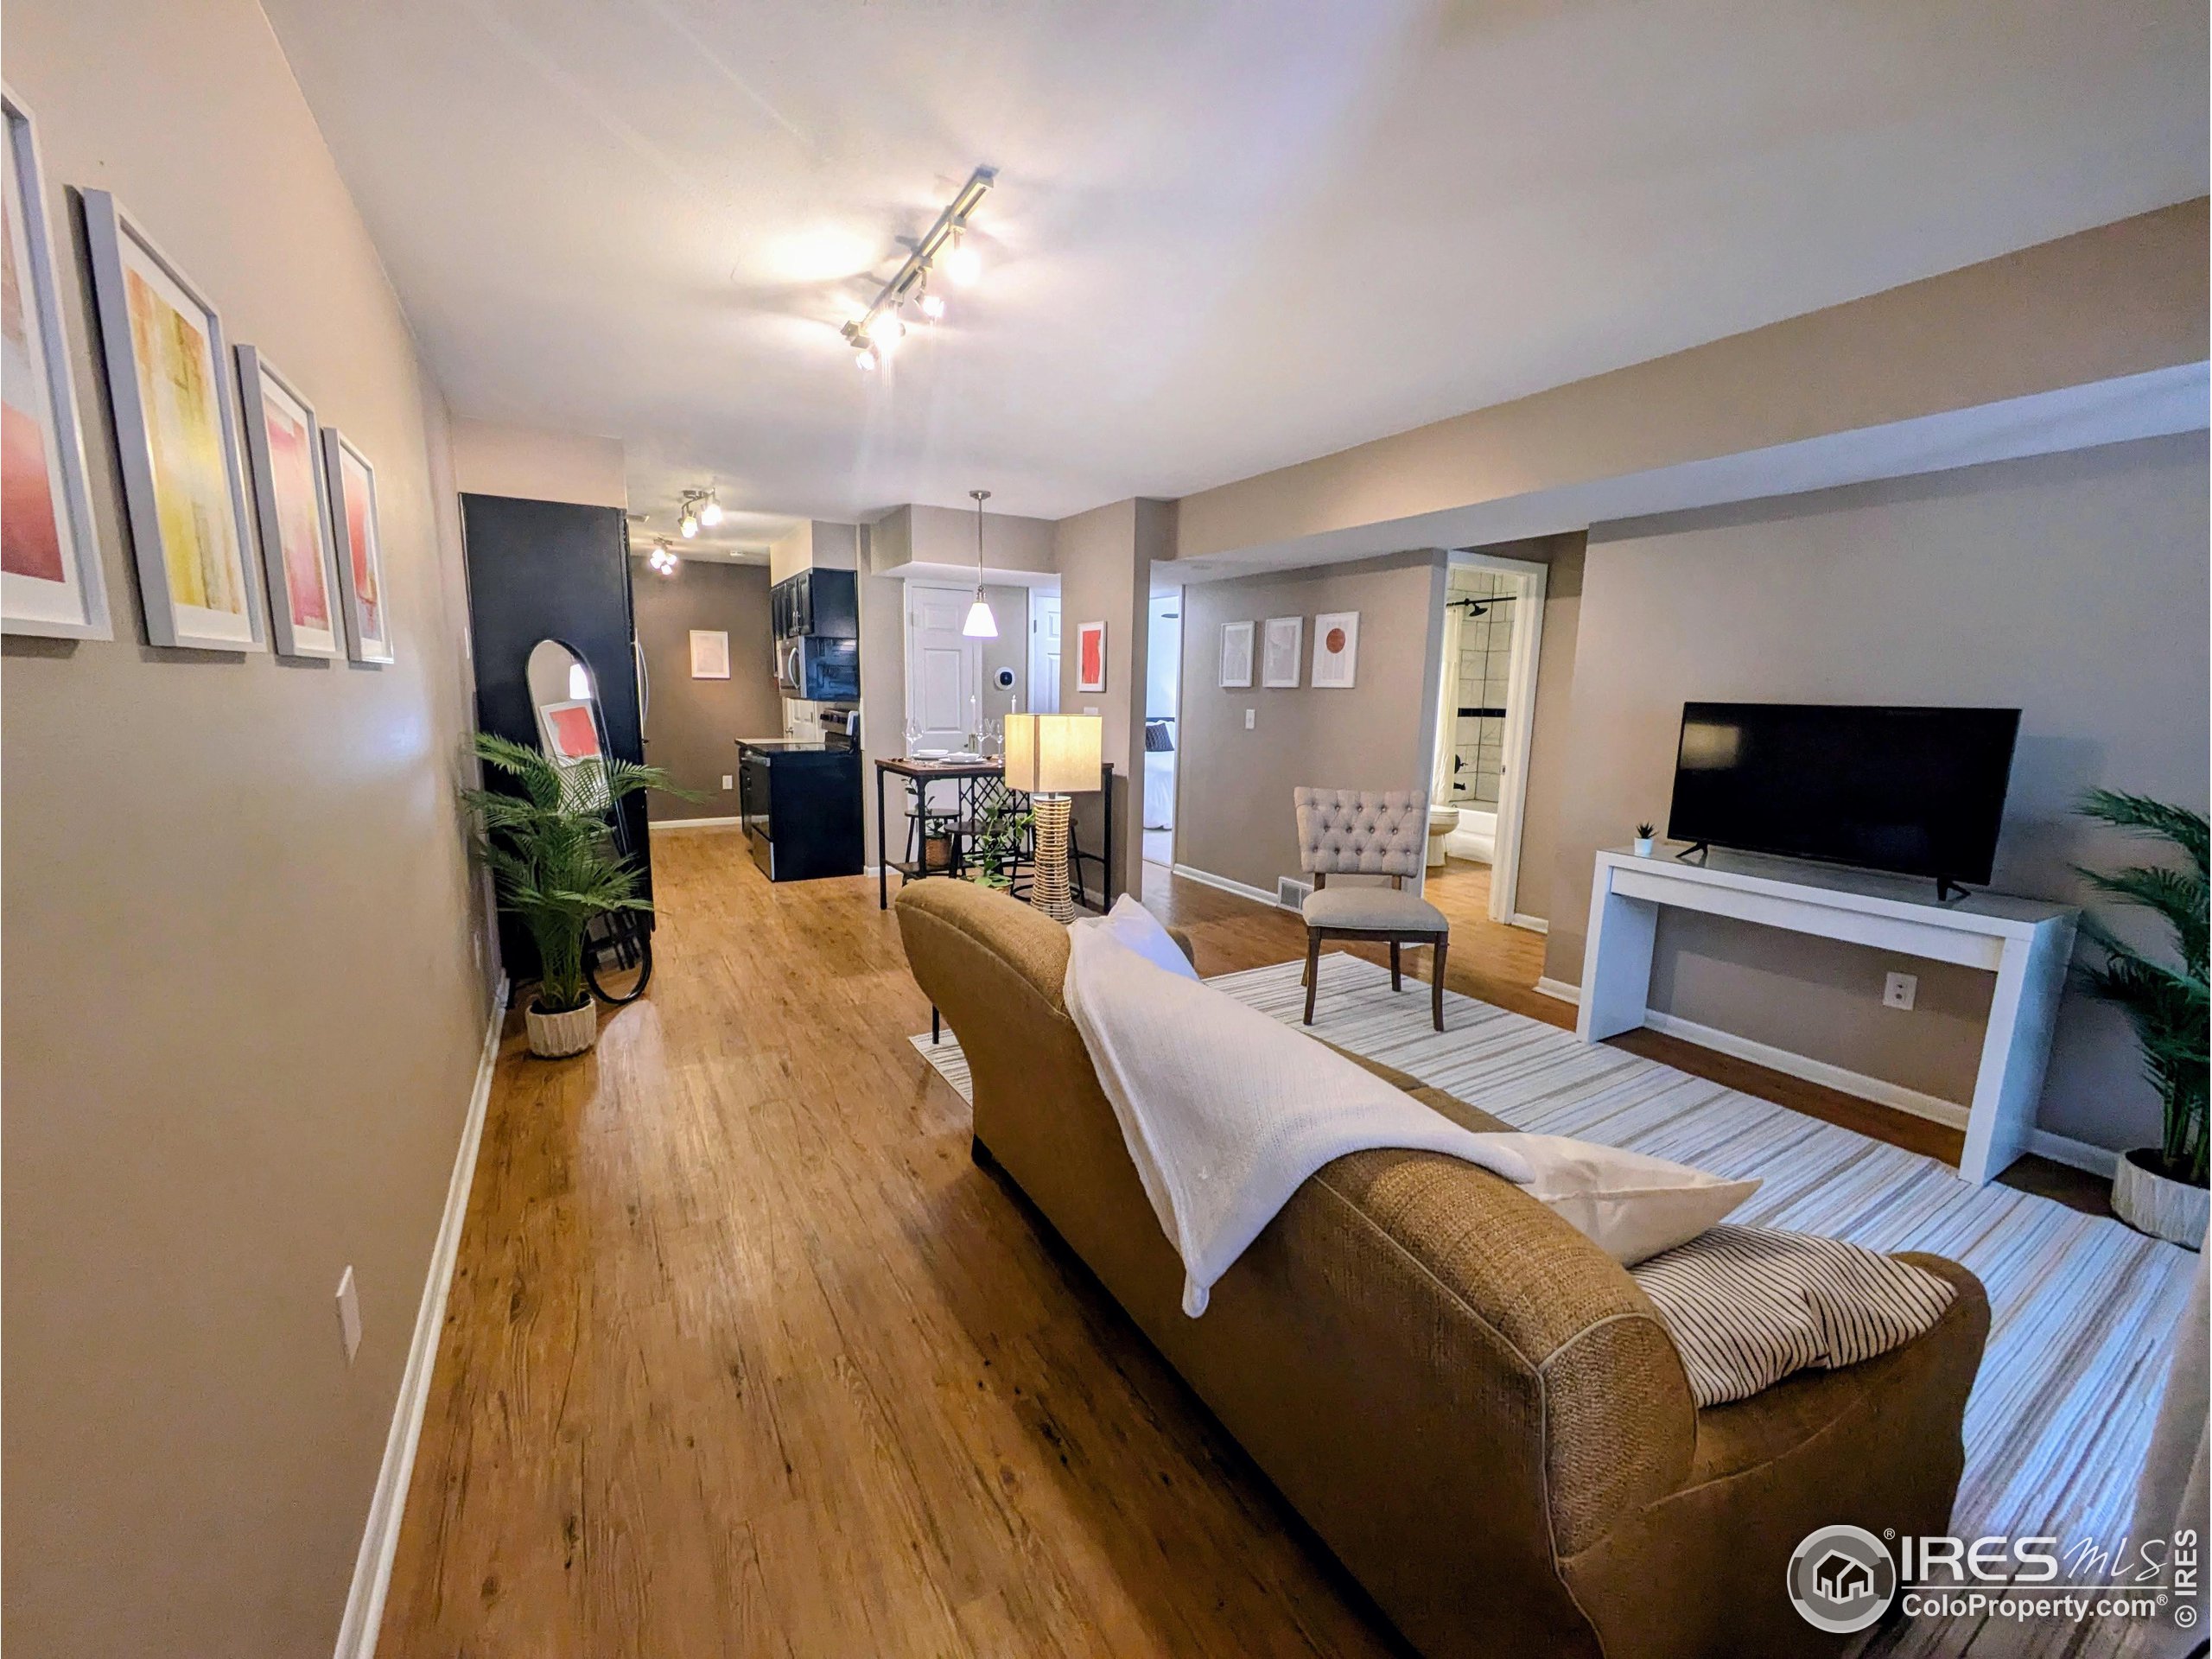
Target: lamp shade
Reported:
[(981, 624), (1053, 754)]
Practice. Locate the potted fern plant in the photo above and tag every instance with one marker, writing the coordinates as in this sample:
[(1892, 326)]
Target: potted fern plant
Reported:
[(2161, 1190), (556, 869)]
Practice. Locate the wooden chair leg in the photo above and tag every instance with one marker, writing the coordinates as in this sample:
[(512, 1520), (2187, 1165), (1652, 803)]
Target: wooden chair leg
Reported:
[(1394, 966), (1312, 970), (1436, 981), (936, 1027)]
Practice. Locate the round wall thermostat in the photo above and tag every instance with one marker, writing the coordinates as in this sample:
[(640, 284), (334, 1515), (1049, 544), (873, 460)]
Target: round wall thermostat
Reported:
[(1005, 678)]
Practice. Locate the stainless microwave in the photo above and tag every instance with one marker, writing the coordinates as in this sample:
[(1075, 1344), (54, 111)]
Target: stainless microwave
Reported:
[(815, 670)]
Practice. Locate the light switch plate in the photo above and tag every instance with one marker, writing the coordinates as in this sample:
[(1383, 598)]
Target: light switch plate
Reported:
[(1899, 990), (728, 781), (1251, 718), (349, 1315)]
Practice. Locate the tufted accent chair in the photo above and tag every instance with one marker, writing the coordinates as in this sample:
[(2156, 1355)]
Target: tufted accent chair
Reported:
[(1365, 832)]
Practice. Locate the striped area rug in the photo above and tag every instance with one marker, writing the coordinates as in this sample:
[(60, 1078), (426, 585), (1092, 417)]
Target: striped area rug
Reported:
[(2082, 1309)]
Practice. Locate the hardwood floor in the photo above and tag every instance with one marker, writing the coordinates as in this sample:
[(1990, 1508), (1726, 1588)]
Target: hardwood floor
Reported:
[(744, 1355)]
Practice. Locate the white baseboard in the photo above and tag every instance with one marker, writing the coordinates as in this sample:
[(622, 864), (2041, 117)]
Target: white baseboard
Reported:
[(693, 824), (357, 1630), (2075, 1154), (1207, 877), (2059, 1148), (1934, 1108), (1534, 923)]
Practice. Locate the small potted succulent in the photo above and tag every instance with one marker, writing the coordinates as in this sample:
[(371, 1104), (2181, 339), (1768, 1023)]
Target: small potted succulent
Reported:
[(1644, 834), (556, 868), (2160, 1190)]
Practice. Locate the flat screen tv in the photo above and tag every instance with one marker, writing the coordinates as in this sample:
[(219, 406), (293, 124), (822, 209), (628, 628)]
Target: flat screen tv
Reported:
[(1918, 791)]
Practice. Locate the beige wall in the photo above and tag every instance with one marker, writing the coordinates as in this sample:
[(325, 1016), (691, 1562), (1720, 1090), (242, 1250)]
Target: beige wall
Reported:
[(2071, 587), (1549, 768), (693, 726), (947, 536), (1233, 810), (243, 1008), (538, 465), (1105, 557), (2121, 299)]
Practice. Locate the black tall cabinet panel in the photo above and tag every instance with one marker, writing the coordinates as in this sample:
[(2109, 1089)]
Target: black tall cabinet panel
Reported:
[(552, 570)]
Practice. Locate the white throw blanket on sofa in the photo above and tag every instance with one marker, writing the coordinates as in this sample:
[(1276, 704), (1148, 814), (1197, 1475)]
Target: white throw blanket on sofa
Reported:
[(1225, 1111)]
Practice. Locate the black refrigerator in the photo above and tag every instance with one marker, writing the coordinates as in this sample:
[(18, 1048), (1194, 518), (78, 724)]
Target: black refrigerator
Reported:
[(554, 570)]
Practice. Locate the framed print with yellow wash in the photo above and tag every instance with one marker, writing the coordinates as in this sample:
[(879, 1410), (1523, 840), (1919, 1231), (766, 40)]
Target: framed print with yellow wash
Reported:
[(176, 439)]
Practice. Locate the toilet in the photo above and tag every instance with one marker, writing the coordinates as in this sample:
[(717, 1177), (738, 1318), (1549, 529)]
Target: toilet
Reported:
[(1442, 821)]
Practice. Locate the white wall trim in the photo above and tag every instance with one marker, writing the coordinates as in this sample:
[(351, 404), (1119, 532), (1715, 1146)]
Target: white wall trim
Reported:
[(1881, 1092), (2044, 1143), (1192, 874), (1534, 923), (357, 1630), (2075, 1154), (692, 824)]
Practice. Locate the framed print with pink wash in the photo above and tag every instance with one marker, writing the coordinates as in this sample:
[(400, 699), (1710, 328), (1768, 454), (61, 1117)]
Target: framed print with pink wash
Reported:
[(363, 597), (292, 511), (176, 439), (50, 578)]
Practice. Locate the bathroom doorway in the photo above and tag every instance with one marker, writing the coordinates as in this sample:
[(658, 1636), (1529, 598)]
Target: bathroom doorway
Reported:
[(1163, 682), (1492, 635)]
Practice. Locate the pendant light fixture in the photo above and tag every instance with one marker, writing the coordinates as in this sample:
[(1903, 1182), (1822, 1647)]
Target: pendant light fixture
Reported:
[(981, 624)]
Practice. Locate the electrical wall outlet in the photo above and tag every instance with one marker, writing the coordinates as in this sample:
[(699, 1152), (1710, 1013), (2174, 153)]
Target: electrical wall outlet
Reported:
[(728, 781), (1251, 718), (349, 1315), (1899, 989)]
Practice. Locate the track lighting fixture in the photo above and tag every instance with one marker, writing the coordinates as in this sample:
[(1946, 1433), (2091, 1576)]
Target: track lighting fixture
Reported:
[(699, 507), (874, 339), (663, 558), (962, 265)]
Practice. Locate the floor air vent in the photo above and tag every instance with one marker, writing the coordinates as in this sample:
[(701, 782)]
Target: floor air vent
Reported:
[(1291, 894)]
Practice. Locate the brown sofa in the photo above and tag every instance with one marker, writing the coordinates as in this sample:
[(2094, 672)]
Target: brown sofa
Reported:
[(1475, 1408)]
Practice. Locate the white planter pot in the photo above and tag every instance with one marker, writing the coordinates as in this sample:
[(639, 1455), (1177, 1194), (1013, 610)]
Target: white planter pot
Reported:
[(556, 1036), (2164, 1209), (1643, 846)]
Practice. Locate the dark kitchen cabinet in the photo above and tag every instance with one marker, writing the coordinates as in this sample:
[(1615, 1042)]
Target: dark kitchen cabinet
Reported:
[(822, 604)]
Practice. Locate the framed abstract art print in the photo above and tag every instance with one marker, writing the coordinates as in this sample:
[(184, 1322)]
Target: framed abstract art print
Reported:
[(176, 439), (362, 596), (50, 578), (292, 511)]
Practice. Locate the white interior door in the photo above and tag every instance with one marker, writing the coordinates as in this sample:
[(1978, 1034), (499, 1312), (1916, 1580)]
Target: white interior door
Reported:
[(1044, 653), (944, 668)]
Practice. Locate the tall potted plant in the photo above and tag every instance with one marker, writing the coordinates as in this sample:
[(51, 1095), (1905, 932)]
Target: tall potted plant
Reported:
[(2161, 1190), (556, 868)]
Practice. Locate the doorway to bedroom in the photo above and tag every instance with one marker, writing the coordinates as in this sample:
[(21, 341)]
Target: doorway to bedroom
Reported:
[(1163, 682), (1492, 629)]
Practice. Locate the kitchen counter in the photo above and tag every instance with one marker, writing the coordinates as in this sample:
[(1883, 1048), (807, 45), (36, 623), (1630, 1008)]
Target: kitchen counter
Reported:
[(800, 803)]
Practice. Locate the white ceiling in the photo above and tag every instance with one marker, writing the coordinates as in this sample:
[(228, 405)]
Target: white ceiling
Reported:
[(1226, 235)]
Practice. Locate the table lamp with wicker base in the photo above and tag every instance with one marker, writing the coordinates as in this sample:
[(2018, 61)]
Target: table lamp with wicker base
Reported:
[(1050, 758)]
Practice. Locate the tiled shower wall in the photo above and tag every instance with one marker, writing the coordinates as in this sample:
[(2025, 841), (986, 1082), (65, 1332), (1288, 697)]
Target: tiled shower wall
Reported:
[(1485, 649)]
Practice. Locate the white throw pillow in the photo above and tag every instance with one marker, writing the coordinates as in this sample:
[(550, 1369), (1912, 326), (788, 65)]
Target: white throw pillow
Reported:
[(1133, 925), (1629, 1205)]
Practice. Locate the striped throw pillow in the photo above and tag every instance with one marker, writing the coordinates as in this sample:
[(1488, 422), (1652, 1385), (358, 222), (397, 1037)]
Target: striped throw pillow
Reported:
[(1747, 1306)]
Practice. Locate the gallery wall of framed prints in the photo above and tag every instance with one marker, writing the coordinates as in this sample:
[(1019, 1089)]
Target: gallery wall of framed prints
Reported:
[(248, 522)]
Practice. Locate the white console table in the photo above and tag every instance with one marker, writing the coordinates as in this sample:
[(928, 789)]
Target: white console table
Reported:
[(2027, 944)]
